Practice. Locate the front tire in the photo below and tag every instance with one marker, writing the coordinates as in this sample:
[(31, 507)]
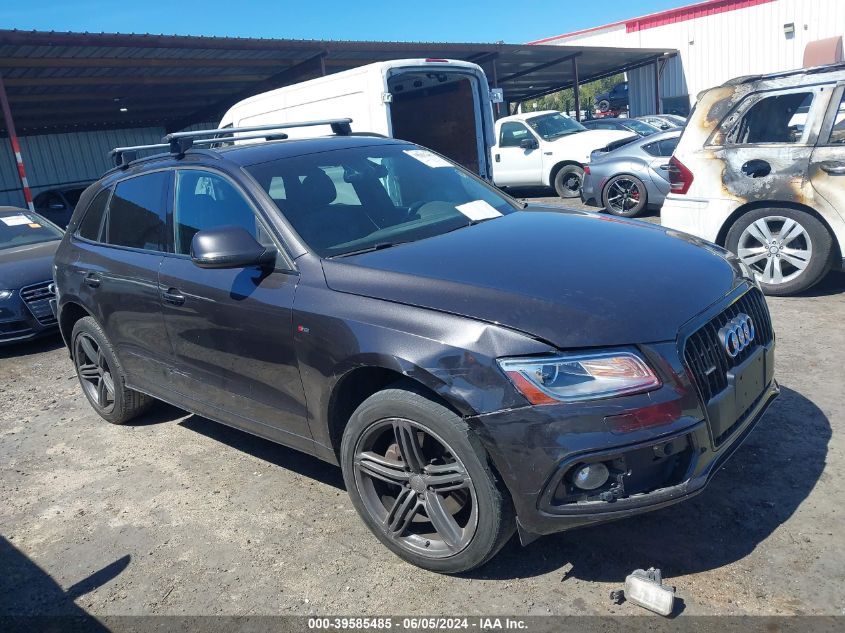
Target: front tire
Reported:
[(788, 250), (568, 181), (101, 376), (624, 196), (420, 480)]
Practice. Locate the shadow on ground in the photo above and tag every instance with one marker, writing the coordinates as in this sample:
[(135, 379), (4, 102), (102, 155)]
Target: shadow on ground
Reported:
[(27, 590), (745, 502), (267, 451), (832, 284), (756, 491)]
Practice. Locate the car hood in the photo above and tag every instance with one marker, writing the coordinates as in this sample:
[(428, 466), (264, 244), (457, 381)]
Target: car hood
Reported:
[(24, 265), (573, 279)]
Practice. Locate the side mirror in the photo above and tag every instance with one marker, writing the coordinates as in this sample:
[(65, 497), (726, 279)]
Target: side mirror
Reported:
[(229, 247), (529, 143)]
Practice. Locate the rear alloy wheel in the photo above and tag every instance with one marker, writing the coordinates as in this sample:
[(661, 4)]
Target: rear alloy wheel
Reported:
[(94, 373), (625, 196), (568, 181), (788, 250), (101, 375), (419, 480)]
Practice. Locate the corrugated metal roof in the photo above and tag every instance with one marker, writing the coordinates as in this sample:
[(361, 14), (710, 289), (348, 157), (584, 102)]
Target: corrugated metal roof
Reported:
[(74, 81)]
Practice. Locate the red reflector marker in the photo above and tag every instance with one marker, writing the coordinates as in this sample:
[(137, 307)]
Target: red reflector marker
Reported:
[(655, 415)]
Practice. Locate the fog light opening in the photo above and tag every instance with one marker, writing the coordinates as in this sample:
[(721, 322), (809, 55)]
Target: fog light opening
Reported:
[(590, 476)]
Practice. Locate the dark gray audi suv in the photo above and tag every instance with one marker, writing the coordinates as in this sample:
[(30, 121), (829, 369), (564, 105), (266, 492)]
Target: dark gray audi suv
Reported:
[(460, 356)]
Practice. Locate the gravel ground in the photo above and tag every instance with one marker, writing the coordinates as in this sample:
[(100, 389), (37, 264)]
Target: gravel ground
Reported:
[(175, 514)]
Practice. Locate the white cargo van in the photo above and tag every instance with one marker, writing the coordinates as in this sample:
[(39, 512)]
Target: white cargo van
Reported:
[(442, 104)]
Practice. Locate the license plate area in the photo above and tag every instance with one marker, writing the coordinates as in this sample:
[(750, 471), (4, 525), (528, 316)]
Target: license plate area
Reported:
[(745, 384)]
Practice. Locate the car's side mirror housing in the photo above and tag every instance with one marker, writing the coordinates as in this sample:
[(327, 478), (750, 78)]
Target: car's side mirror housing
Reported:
[(529, 143), (229, 247)]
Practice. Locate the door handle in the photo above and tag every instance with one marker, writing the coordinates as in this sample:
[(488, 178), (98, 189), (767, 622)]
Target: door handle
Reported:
[(756, 168), (92, 279), (498, 158), (833, 167), (173, 297)]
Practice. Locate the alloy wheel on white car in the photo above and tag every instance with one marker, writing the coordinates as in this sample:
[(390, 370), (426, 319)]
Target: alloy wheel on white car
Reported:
[(788, 249)]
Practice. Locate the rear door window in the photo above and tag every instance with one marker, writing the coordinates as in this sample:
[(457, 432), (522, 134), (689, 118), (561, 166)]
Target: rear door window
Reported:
[(837, 133), (137, 213)]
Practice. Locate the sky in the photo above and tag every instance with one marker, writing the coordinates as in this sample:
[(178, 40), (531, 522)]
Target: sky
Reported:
[(398, 20)]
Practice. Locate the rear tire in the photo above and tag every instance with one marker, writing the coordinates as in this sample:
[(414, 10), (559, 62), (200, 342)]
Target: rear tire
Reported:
[(620, 192), (789, 250), (101, 376), (568, 180), (401, 421)]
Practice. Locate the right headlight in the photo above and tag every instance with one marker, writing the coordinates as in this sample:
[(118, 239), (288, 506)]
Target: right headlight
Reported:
[(578, 377)]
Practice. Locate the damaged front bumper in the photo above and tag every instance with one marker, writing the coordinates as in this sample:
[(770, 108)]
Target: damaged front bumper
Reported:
[(669, 457)]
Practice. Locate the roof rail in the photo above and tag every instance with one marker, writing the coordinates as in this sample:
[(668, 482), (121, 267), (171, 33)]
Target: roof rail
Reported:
[(122, 156), (180, 142)]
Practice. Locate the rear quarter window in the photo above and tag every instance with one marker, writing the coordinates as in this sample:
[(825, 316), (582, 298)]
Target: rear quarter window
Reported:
[(137, 213), (91, 226)]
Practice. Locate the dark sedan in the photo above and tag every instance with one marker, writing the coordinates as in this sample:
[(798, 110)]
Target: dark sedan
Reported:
[(625, 125), (27, 245)]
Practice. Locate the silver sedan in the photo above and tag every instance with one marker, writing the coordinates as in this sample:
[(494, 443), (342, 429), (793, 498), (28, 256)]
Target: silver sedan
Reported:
[(627, 179)]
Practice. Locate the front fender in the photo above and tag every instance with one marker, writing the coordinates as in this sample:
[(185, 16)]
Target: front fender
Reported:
[(453, 356)]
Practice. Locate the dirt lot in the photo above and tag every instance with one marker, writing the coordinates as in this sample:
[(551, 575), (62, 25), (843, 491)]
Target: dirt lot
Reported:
[(178, 515)]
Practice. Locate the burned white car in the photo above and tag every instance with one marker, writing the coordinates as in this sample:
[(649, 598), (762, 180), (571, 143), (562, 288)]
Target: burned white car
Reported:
[(760, 169)]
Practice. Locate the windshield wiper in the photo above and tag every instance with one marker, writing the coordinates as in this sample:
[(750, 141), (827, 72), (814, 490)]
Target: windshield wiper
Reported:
[(378, 246)]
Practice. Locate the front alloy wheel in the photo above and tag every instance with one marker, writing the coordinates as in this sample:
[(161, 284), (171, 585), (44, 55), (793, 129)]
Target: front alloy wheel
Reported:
[(422, 482), (411, 482)]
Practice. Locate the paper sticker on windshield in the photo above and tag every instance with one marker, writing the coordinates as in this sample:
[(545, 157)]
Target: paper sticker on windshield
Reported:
[(478, 210), (428, 158), (15, 220), (34, 225)]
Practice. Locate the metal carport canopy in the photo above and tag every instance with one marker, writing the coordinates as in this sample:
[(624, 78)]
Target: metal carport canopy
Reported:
[(59, 81)]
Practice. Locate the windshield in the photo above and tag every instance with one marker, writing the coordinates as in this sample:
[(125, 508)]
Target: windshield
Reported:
[(72, 196), (348, 200), (20, 229), (554, 125), (643, 129)]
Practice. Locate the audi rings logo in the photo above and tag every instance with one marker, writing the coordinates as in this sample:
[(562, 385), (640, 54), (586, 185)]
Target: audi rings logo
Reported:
[(737, 334)]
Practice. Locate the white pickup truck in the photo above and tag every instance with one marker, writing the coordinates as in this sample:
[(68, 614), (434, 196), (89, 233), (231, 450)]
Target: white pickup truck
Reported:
[(546, 148)]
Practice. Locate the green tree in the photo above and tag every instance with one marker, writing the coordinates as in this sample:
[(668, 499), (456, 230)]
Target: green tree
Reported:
[(564, 100)]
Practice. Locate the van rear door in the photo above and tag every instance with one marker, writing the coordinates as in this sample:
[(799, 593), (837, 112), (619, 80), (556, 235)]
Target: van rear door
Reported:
[(445, 106)]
